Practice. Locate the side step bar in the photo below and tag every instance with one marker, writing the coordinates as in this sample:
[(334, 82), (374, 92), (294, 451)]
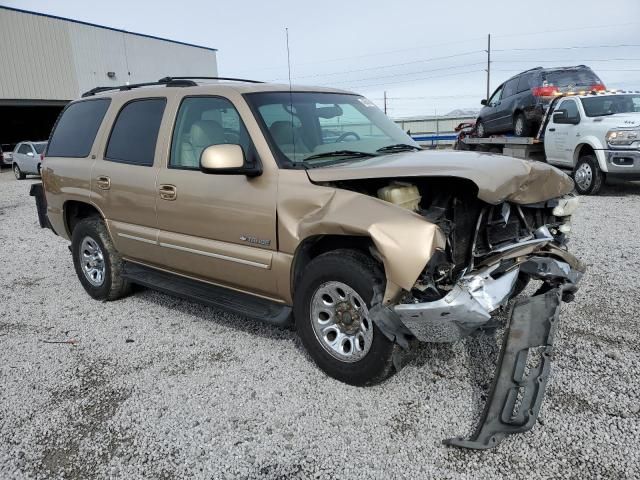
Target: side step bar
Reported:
[(517, 391), (219, 297)]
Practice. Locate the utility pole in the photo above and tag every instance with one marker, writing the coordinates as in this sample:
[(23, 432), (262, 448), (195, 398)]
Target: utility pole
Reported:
[(488, 65), (385, 102)]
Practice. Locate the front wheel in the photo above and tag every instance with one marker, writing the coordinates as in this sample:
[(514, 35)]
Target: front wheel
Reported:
[(331, 308), (480, 131), (18, 173), (587, 175)]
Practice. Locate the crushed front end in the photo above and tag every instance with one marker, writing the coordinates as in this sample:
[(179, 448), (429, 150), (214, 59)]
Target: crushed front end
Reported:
[(492, 253)]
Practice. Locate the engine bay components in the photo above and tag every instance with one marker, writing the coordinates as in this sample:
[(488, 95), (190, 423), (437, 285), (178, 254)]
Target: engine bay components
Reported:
[(405, 195)]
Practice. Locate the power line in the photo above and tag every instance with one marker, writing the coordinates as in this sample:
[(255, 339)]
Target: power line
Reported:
[(391, 65), (562, 59), (356, 80), (565, 48), (417, 79), (544, 32)]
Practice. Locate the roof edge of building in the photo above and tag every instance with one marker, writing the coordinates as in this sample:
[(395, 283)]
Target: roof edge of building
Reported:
[(20, 10)]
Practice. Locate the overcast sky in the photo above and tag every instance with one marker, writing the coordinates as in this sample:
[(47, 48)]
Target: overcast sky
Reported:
[(429, 56)]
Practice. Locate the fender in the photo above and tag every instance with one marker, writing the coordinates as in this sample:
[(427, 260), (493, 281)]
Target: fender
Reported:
[(595, 143), (404, 239)]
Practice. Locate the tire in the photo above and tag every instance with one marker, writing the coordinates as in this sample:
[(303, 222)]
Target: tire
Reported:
[(480, 130), (521, 128), (40, 170), (18, 173), (90, 235), (371, 361), (587, 176)]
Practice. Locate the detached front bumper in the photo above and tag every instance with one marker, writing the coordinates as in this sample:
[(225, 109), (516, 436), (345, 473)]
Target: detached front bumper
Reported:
[(521, 377), (469, 305)]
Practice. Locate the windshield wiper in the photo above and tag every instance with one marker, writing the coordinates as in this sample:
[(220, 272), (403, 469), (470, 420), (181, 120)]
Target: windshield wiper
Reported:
[(340, 153), (398, 147)]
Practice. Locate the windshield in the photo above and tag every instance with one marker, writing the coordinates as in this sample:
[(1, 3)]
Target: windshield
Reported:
[(310, 128), (39, 147), (597, 106)]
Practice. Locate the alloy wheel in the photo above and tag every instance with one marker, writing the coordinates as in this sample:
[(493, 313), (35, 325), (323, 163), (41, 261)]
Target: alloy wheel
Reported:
[(584, 176)]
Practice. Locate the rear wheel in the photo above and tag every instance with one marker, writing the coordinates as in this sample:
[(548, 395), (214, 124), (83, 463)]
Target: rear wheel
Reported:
[(96, 261), (587, 175), (331, 308), (521, 128), (18, 173)]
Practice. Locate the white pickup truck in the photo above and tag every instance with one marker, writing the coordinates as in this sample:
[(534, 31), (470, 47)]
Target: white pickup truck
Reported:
[(595, 135)]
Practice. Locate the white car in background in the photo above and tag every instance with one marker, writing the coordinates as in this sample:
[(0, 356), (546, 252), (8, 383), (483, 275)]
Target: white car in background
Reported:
[(27, 158), (6, 155)]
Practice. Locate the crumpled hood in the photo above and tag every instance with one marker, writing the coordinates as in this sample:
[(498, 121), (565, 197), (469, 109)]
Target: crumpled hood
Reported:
[(620, 120), (498, 178)]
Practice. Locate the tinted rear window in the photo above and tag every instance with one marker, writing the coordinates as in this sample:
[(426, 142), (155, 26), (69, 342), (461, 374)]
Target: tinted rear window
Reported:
[(76, 129), (565, 78), (135, 132), (39, 147)]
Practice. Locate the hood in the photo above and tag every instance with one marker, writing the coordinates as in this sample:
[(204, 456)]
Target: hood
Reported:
[(620, 120), (497, 177)]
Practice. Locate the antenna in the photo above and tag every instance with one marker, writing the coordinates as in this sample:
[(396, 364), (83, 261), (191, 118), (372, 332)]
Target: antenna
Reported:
[(293, 133)]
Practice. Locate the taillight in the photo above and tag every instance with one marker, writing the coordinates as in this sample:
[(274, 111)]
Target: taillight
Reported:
[(598, 87), (549, 91), (41, 156)]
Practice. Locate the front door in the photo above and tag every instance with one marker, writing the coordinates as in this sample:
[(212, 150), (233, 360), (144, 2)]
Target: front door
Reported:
[(219, 228), (561, 138), (492, 116)]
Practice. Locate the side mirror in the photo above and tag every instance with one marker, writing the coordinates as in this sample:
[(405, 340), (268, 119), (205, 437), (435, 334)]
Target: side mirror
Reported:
[(30, 154), (483, 101), (560, 116), (227, 159)]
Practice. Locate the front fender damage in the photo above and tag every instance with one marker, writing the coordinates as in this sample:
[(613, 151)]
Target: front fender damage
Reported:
[(404, 240)]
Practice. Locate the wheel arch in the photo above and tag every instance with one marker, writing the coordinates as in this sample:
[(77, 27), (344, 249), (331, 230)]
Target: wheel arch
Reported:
[(588, 147), (316, 245), (76, 210)]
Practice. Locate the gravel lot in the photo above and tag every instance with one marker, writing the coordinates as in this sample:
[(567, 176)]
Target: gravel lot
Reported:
[(158, 387)]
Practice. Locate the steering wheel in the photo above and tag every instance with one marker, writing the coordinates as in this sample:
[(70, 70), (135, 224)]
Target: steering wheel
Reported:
[(347, 134)]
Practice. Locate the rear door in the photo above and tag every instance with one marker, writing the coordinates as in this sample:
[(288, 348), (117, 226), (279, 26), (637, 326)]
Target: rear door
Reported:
[(123, 180), (219, 228), (504, 119)]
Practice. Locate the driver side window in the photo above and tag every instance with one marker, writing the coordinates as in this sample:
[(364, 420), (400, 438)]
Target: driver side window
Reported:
[(202, 122), (495, 98), (571, 109)]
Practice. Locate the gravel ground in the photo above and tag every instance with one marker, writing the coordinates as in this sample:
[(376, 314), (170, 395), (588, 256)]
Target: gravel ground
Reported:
[(158, 387)]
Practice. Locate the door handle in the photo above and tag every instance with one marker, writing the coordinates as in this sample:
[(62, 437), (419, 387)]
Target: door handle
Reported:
[(168, 192), (552, 129), (103, 182)]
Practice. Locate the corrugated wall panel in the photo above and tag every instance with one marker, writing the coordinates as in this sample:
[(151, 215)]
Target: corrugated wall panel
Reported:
[(36, 59), (56, 59)]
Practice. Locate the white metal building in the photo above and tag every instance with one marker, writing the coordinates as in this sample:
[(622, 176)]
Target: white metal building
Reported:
[(433, 131), (46, 61)]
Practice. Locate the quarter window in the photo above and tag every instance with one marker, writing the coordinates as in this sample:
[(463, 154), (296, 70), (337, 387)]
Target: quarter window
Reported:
[(135, 132), (76, 128), (510, 88), (202, 122)]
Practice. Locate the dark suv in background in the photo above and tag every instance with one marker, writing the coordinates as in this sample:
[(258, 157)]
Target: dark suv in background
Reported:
[(518, 105)]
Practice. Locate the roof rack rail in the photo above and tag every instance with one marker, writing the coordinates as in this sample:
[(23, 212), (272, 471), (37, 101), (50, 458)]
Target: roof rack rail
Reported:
[(168, 82), (169, 79)]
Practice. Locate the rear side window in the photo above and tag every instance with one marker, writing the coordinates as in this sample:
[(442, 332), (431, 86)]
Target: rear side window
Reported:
[(135, 132), (24, 148), (510, 88), (76, 129), (525, 82), (39, 147)]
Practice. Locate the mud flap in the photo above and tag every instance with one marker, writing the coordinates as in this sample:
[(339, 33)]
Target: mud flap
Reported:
[(516, 395)]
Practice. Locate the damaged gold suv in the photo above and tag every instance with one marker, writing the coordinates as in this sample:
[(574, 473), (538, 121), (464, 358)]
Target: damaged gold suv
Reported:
[(310, 205)]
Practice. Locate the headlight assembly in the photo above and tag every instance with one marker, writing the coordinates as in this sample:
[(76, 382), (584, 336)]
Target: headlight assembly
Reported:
[(623, 138)]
